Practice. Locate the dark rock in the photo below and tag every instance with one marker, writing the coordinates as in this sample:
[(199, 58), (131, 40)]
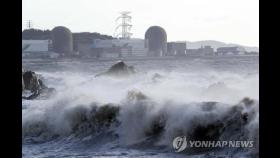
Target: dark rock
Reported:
[(32, 96), (247, 101), (119, 69), (136, 96), (32, 83)]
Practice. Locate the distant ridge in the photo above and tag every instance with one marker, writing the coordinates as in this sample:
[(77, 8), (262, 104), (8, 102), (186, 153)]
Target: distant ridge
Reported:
[(216, 44)]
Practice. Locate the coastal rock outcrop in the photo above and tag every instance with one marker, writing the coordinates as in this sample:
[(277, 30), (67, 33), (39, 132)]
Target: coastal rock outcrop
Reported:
[(32, 83), (120, 69)]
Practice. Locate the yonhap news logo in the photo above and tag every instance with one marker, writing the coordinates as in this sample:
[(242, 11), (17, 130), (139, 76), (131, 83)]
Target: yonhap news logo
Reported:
[(181, 143)]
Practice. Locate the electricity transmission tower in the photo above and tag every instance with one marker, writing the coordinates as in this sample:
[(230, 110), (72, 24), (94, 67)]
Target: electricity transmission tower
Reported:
[(29, 24), (125, 25)]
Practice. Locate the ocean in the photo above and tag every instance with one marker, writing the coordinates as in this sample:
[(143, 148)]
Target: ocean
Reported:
[(140, 115)]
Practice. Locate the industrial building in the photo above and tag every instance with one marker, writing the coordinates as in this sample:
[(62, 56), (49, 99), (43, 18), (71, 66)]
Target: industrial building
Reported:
[(194, 52), (154, 43), (120, 48), (62, 40), (157, 41), (176, 48), (35, 45), (84, 49), (36, 48), (123, 46), (207, 51), (60, 44), (230, 51), (203, 51)]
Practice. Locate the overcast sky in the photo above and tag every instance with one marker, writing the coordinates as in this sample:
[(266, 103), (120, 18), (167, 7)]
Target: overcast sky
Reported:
[(230, 21)]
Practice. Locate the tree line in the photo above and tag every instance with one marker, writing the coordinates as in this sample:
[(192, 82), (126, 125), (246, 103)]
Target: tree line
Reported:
[(81, 37)]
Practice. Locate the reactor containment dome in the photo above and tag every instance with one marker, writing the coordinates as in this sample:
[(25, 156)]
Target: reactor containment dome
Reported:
[(62, 40), (157, 41)]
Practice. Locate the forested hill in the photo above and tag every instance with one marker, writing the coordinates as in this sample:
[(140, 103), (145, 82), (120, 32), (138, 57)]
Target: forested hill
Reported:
[(37, 34)]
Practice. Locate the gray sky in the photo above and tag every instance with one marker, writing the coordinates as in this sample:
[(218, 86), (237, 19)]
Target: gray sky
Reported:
[(231, 21)]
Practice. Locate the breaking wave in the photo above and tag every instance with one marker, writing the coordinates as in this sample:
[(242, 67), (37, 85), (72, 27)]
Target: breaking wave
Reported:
[(146, 110)]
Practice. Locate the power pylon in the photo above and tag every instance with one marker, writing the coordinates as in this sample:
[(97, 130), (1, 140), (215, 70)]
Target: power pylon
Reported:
[(29, 24), (125, 25)]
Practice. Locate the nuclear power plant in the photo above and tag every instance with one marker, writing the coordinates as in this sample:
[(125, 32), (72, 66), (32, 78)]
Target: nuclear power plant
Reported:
[(61, 43), (157, 41), (62, 40)]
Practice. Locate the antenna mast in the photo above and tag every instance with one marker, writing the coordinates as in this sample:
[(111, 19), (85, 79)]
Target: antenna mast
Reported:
[(29, 24), (125, 25)]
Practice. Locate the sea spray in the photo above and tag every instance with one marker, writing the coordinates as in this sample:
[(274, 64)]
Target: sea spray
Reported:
[(145, 108)]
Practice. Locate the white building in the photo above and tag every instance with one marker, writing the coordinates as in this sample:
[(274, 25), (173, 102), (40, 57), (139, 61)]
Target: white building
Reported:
[(35, 45), (121, 47)]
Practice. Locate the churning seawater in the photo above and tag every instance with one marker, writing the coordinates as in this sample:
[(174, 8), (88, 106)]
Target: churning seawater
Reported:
[(139, 115)]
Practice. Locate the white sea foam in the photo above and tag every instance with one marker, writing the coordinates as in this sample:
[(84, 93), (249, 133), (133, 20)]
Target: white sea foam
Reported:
[(174, 98)]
